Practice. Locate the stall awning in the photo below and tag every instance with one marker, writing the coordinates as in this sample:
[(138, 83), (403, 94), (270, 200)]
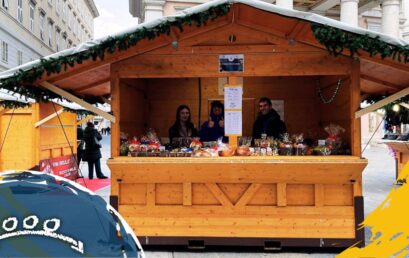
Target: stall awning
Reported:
[(85, 69)]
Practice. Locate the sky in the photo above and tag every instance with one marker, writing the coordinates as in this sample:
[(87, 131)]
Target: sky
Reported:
[(113, 17)]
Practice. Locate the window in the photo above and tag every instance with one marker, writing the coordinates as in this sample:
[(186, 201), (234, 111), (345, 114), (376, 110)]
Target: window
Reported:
[(19, 57), (50, 2), (57, 39), (64, 41), (79, 32), (69, 17), (69, 43), (42, 21), (64, 10), (20, 11), (5, 52), (57, 7), (32, 16), (5, 4), (75, 24), (50, 34)]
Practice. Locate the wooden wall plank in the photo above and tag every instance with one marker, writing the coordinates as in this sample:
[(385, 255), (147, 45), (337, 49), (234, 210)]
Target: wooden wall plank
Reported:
[(206, 65)]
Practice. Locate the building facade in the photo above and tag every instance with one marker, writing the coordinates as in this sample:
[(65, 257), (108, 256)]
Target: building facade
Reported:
[(30, 29), (387, 16)]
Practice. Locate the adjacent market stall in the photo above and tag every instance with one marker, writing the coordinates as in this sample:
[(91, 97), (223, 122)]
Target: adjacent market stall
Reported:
[(267, 197), (32, 133)]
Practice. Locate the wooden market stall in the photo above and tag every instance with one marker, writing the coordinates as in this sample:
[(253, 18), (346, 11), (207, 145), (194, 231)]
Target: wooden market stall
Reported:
[(401, 149), (272, 201), (34, 133)]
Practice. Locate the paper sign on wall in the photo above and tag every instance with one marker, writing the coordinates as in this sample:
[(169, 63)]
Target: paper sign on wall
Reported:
[(233, 97), (233, 122), (233, 117)]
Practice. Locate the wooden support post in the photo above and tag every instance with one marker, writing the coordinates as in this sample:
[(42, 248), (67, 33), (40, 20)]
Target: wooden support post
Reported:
[(77, 100), (233, 139), (48, 118), (281, 194), (382, 103), (116, 109), (355, 102)]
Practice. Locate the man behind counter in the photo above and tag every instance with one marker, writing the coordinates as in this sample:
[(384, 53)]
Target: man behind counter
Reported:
[(268, 121)]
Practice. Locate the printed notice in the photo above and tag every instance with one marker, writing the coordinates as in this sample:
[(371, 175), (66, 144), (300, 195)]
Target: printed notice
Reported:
[(233, 97), (233, 123)]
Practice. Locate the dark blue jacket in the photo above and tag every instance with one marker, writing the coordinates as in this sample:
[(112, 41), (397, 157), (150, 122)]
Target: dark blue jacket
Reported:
[(211, 134)]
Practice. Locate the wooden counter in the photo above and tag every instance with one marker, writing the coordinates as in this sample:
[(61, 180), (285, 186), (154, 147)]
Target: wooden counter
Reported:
[(278, 199), (402, 153)]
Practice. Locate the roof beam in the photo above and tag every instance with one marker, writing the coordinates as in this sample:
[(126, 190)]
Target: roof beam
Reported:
[(324, 5), (77, 100), (86, 119), (382, 103), (404, 105), (48, 118), (92, 85), (384, 83)]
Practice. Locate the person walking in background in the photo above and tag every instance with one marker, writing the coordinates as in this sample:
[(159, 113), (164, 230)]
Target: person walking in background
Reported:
[(80, 144), (92, 153)]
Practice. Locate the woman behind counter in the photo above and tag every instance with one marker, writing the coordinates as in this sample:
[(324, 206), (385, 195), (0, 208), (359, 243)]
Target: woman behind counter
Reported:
[(182, 127)]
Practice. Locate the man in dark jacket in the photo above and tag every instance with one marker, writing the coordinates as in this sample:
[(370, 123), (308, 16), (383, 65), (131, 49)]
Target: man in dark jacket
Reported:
[(92, 152), (268, 121)]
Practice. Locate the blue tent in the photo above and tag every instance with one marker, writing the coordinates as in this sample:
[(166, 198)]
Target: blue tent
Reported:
[(42, 215)]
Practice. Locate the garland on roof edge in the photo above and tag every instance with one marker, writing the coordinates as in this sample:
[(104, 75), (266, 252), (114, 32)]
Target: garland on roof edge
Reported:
[(22, 82), (392, 117), (79, 112), (336, 40), (12, 104)]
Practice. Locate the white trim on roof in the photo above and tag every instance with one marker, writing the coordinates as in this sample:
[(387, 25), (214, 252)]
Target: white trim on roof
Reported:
[(307, 16)]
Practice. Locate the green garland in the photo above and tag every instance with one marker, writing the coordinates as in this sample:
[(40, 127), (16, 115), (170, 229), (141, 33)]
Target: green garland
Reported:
[(392, 117), (22, 82), (336, 40), (12, 104), (79, 112)]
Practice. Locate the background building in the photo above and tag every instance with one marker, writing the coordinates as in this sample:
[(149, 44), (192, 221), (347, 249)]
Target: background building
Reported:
[(387, 16), (30, 29)]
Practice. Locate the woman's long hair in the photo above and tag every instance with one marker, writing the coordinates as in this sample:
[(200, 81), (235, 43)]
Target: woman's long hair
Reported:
[(189, 124)]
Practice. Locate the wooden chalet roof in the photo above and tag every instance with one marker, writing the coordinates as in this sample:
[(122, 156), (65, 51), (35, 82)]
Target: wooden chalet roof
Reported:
[(274, 28)]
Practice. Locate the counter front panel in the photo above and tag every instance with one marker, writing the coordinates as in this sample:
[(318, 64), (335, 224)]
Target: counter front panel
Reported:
[(256, 197)]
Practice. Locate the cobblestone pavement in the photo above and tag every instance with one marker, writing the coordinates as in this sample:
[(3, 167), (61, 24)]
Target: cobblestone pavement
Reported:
[(378, 179)]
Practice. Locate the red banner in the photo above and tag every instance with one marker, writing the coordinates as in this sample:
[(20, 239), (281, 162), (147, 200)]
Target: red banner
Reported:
[(64, 166)]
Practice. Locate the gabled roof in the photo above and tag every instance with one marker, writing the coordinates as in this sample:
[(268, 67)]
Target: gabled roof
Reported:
[(260, 5)]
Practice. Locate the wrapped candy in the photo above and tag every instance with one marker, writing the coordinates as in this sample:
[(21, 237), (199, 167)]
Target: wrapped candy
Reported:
[(300, 148), (334, 141), (244, 146), (196, 144), (286, 146)]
